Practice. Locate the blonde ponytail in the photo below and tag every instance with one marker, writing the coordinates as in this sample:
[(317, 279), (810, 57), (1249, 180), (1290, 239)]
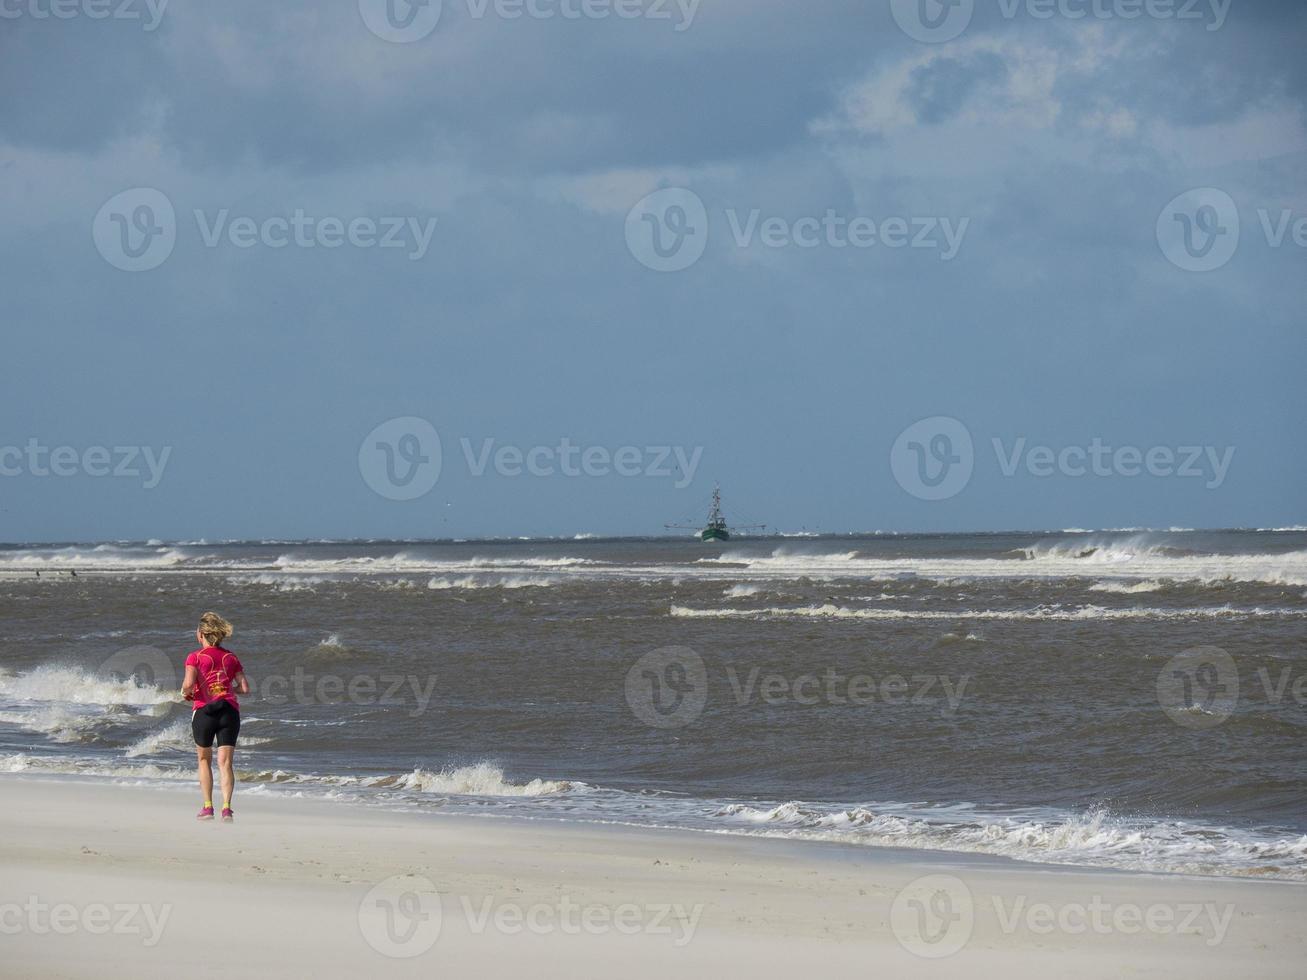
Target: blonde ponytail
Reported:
[(214, 629)]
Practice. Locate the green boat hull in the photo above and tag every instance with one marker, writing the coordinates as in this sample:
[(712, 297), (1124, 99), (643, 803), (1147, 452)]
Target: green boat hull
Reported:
[(714, 534)]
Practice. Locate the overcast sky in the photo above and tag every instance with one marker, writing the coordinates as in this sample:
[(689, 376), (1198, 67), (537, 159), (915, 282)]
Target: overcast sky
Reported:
[(240, 239)]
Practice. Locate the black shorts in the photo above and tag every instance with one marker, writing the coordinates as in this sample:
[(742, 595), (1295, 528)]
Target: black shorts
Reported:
[(216, 720)]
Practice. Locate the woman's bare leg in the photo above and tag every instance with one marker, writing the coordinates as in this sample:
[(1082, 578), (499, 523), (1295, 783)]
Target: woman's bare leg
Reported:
[(203, 757), (225, 772)]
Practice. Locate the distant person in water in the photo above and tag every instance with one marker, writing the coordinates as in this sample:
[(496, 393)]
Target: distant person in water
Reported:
[(213, 678)]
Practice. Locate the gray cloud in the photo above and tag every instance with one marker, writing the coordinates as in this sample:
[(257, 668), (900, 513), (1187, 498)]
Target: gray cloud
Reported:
[(528, 318)]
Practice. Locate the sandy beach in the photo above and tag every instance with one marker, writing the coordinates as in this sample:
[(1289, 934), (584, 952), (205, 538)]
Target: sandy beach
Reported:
[(103, 880)]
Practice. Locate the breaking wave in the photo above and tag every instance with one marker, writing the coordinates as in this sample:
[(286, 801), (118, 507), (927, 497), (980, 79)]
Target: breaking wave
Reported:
[(110, 557), (69, 704), (831, 611), (73, 685), (1127, 588), (501, 582), (481, 779), (1096, 837)]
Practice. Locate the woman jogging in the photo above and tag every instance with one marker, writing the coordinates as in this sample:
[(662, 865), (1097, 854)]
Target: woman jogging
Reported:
[(213, 678)]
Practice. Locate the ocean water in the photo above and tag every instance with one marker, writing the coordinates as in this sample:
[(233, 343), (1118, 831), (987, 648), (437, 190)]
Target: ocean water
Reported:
[(1127, 698)]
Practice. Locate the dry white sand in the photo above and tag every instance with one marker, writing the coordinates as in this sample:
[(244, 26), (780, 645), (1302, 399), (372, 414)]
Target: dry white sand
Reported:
[(104, 881)]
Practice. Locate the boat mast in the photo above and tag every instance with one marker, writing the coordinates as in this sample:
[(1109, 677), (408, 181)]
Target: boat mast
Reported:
[(715, 518)]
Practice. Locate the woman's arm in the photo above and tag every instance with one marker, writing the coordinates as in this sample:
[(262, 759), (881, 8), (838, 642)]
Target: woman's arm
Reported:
[(242, 684), (189, 682)]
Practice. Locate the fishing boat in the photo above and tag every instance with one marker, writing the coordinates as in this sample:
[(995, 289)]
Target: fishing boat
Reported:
[(717, 529)]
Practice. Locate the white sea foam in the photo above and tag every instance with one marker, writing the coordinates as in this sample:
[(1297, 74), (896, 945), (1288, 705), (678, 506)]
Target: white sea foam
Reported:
[(73, 685), (492, 582), (1101, 551), (1095, 837), (478, 779), (1127, 588), (961, 638), (59, 723), (105, 768), (1142, 556), (281, 582), (481, 779), (831, 611), (1161, 556), (103, 557), (176, 736), (68, 704)]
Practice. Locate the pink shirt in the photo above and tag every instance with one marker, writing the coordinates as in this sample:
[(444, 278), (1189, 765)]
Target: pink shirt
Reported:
[(217, 669)]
